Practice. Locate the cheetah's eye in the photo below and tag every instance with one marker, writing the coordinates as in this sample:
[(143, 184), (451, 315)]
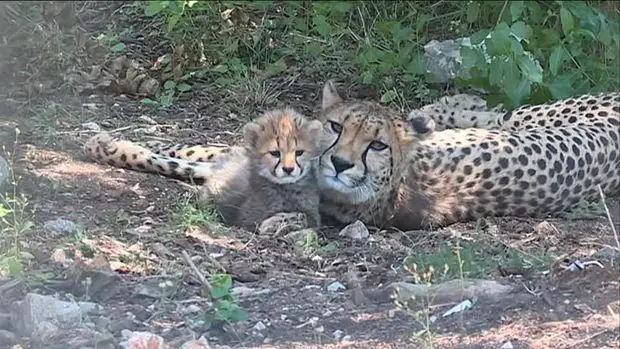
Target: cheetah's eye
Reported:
[(336, 127), (275, 153), (299, 153), (378, 146)]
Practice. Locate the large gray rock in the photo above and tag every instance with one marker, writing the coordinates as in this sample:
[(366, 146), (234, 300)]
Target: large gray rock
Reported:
[(37, 311)]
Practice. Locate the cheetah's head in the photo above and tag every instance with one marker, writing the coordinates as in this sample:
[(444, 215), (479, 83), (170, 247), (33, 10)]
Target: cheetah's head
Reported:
[(365, 147), (283, 144)]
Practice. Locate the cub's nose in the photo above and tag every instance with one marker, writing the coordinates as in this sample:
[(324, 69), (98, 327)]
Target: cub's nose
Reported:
[(340, 164), (288, 170)]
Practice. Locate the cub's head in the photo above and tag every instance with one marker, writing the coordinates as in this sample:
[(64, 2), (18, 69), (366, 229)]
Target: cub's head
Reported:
[(283, 145), (365, 147)]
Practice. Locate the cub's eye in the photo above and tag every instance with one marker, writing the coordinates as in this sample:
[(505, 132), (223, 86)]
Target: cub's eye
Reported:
[(336, 127), (378, 146), (275, 153), (299, 153)]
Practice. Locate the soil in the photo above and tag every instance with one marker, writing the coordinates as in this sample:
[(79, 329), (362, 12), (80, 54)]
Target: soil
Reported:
[(127, 218)]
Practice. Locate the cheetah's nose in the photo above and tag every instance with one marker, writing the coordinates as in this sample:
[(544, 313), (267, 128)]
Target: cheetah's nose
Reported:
[(288, 170), (340, 164)]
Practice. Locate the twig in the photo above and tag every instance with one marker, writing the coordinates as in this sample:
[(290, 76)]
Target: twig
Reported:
[(199, 275), (611, 222), (501, 13)]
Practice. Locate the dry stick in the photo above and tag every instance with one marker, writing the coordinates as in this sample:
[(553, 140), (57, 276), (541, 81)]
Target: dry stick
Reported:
[(611, 222), (202, 278)]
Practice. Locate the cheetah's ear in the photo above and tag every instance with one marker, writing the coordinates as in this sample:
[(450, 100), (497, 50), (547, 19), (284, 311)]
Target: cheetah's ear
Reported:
[(330, 95), (251, 132), (417, 126)]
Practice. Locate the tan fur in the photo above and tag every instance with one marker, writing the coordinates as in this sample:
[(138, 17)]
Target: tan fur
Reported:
[(534, 161), (245, 182), (278, 141), (454, 160)]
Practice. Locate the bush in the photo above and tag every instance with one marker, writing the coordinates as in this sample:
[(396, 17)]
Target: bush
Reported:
[(521, 52)]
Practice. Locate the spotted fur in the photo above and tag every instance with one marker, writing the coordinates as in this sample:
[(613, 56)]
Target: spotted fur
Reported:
[(454, 160), (534, 161)]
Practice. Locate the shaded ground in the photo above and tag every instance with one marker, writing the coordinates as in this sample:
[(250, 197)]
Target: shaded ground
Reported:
[(129, 219)]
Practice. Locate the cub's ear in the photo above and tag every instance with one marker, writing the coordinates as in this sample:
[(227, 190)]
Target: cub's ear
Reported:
[(416, 126), (315, 127), (330, 95), (251, 132)]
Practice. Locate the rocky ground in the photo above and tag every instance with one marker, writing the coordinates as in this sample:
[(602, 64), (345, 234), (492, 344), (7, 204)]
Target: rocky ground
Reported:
[(115, 258)]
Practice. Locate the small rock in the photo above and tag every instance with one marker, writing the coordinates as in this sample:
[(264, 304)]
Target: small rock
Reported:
[(60, 226), (259, 326), (200, 343), (355, 231), (337, 334), (7, 337), (60, 257), (346, 338), (335, 286), (144, 340), (90, 106), (191, 309), (244, 291), (545, 228), (507, 345)]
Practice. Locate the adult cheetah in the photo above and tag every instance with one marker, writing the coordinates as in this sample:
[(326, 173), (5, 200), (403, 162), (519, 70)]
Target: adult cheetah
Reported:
[(454, 160)]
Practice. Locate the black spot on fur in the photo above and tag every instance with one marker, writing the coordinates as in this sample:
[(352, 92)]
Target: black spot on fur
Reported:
[(123, 158)]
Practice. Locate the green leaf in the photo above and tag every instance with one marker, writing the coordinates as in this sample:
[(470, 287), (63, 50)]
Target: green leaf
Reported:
[(499, 42), (321, 25), (237, 314), (518, 92), (560, 87), (417, 65), (118, 48), (473, 11), (556, 59), (472, 58), (221, 284), (340, 6), (169, 84), (388, 96), (154, 7), (172, 22), (521, 30), (532, 71), (220, 68), (516, 9), (183, 87), (367, 77), (568, 22), (148, 101), (478, 37)]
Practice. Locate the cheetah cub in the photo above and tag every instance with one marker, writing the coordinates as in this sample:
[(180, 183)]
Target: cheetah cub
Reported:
[(283, 150)]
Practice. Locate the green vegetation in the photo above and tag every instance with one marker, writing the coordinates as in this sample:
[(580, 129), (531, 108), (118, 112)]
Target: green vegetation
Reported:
[(536, 51)]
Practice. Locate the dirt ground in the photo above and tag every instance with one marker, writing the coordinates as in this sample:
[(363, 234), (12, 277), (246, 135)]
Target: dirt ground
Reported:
[(126, 217)]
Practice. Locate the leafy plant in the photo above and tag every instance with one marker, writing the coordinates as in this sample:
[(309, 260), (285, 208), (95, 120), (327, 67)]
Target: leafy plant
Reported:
[(535, 54), (14, 223), (222, 305)]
